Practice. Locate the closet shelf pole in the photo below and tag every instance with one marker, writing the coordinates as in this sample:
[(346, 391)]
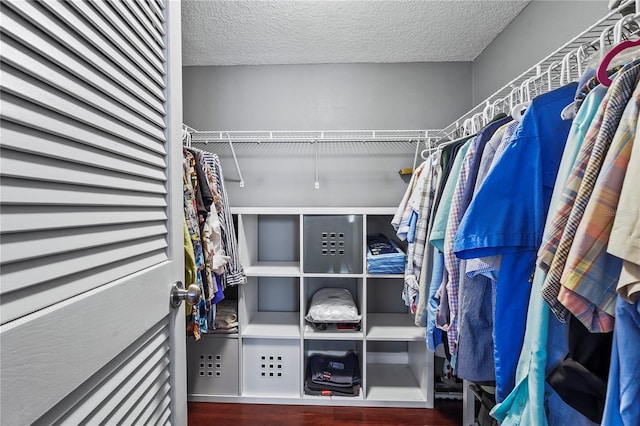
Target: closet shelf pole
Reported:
[(233, 152), (317, 182), (415, 157)]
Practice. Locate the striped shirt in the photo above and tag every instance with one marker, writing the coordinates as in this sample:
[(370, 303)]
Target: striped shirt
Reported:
[(553, 254), (451, 262), (234, 273)]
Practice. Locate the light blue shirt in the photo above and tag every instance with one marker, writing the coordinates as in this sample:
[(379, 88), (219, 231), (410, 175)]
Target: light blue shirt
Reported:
[(545, 343)]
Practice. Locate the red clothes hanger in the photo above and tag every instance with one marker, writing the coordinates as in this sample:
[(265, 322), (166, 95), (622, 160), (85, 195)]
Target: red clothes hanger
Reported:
[(603, 78)]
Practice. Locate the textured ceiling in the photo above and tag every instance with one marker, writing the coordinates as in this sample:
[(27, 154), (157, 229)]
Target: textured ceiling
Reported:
[(243, 32)]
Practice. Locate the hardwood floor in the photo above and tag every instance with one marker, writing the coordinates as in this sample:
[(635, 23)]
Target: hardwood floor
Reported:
[(446, 413)]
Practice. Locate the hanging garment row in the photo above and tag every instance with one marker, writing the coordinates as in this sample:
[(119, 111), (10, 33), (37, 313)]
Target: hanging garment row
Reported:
[(524, 245), (211, 256)]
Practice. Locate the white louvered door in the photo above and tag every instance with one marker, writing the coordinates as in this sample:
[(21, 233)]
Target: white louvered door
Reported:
[(91, 213)]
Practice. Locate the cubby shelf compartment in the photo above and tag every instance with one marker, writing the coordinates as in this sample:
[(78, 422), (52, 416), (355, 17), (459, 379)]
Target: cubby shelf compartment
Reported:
[(273, 325), (392, 382), (393, 327)]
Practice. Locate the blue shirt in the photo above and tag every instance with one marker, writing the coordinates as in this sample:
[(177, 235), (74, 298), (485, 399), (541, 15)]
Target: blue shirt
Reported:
[(480, 142), (623, 388), (507, 217), (545, 343)]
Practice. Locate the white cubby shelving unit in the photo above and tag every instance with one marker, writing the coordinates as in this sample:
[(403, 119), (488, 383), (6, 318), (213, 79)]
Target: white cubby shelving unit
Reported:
[(265, 362)]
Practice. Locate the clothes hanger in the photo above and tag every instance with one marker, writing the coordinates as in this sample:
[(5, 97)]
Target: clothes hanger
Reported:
[(606, 61), (518, 110), (550, 75)]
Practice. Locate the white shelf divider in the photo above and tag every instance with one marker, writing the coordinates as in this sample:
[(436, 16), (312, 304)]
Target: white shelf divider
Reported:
[(273, 269), (331, 333), (384, 275)]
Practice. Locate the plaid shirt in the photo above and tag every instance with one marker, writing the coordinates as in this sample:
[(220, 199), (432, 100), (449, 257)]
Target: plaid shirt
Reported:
[(415, 251), (577, 191), (451, 262), (591, 274)]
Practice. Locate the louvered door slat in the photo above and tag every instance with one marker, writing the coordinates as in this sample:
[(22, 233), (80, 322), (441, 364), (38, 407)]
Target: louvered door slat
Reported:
[(113, 384), (156, 10), (138, 27), (165, 418), (151, 397), (15, 219), (143, 20), (23, 247), (142, 375), (128, 42), (43, 193), (29, 141), (16, 164), (103, 399), (146, 17), (39, 42), (67, 13), (86, 34), (151, 413), (29, 88), (62, 80), (45, 122)]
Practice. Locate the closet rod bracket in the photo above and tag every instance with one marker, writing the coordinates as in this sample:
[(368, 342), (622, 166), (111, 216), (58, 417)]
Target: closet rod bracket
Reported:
[(316, 184)]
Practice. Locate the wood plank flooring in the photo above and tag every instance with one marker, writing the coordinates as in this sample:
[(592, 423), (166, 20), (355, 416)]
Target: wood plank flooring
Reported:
[(446, 413)]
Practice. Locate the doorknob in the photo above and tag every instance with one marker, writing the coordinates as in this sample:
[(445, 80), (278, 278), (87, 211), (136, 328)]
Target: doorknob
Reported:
[(191, 295)]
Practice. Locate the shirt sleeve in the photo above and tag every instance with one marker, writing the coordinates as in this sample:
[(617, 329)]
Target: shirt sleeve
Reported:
[(505, 211)]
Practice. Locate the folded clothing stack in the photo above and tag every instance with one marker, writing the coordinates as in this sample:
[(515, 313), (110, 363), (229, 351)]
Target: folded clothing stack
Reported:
[(226, 319), (328, 375), (384, 256)]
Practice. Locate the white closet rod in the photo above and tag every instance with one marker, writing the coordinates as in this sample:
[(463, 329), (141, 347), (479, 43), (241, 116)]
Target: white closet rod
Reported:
[(311, 136), (539, 78), (315, 137)]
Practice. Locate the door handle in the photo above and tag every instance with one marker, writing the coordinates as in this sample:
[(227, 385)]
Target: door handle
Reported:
[(178, 293)]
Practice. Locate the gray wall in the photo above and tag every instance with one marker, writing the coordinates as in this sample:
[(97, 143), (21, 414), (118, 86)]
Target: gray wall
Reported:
[(539, 30), (326, 96), (322, 97), (359, 96)]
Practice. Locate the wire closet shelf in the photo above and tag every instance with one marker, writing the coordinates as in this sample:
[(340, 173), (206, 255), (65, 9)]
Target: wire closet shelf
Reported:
[(564, 65)]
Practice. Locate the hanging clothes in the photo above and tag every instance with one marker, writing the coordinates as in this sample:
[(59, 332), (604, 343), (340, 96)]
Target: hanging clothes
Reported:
[(565, 361), (234, 272), (545, 344), (196, 323), (207, 214), (529, 164), (553, 254), (590, 276)]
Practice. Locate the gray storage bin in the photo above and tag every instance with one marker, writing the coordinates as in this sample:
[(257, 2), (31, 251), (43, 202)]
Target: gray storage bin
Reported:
[(212, 366), (271, 367), (333, 244)]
